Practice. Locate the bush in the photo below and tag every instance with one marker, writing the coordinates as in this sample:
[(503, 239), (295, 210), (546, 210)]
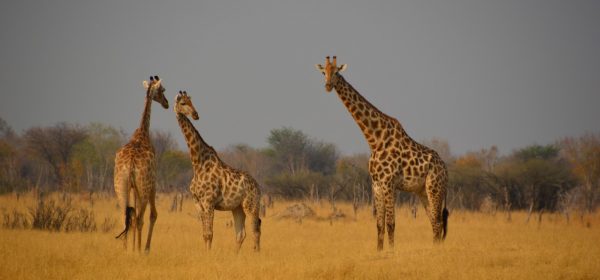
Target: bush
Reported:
[(55, 215), (49, 215)]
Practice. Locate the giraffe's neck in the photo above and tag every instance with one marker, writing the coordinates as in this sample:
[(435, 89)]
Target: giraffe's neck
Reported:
[(143, 131), (374, 124), (200, 151)]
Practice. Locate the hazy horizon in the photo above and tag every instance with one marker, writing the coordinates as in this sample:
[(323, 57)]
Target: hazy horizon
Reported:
[(475, 73)]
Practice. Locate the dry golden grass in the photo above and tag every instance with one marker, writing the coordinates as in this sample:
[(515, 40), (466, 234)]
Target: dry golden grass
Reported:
[(478, 246)]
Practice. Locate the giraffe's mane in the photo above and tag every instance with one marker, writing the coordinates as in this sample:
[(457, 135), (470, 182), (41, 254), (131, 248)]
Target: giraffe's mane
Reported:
[(366, 101), (197, 134)]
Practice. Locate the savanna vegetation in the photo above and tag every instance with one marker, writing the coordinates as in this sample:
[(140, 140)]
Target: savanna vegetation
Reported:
[(563, 176), (319, 246), (527, 214)]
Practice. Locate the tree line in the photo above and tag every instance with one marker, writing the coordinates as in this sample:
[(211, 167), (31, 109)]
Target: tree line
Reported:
[(563, 176)]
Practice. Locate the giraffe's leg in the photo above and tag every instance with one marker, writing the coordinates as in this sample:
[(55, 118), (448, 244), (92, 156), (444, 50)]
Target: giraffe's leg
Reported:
[(134, 217), (390, 215), (435, 193), (256, 224), (239, 219), (121, 184), (207, 214), (140, 226), (251, 206), (378, 193), (153, 217), (425, 202)]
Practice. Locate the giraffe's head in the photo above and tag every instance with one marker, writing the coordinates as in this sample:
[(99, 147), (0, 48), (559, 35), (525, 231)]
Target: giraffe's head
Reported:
[(330, 71), (156, 91), (183, 105)]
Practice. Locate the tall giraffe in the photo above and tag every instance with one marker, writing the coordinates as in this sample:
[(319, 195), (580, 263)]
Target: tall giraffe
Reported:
[(135, 171), (397, 162), (215, 184)]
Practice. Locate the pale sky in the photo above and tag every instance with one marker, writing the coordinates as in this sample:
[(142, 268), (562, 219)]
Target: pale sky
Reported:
[(474, 72)]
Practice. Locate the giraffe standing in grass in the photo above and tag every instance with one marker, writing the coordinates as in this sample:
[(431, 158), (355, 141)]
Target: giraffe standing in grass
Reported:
[(397, 162), (215, 185), (135, 171)]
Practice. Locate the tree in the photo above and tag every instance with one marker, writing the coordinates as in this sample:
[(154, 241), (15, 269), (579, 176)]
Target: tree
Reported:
[(541, 175), (467, 182), (9, 179), (6, 131), (254, 161), (93, 158), (353, 175), (164, 144), (175, 170), (442, 147), (162, 141), (294, 151), (55, 145), (583, 155), (299, 184), (288, 148), (321, 157), (300, 166)]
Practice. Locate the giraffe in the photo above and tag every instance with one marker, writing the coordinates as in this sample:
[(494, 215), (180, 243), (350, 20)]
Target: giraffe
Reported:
[(397, 162), (135, 171), (215, 185)]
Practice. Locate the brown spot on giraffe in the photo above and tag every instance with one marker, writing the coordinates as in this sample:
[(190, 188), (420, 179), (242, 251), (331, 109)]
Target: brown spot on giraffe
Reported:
[(219, 187), (135, 171), (418, 169)]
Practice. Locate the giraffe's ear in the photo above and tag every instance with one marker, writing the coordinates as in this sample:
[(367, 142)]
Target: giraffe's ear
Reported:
[(342, 68), (320, 68), (145, 84)]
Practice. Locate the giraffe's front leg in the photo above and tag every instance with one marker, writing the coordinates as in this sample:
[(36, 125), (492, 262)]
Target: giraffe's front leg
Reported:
[(208, 227), (207, 213), (379, 213), (390, 215)]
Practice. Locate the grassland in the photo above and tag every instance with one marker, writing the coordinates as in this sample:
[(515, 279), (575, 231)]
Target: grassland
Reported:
[(479, 246)]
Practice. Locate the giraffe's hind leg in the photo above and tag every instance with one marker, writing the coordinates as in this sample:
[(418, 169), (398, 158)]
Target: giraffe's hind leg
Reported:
[(122, 190), (153, 217), (435, 191), (140, 224), (251, 207), (239, 220)]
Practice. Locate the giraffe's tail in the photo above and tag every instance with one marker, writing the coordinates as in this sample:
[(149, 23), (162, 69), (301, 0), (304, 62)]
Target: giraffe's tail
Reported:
[(123, 191), (445, 215), (129, 212)]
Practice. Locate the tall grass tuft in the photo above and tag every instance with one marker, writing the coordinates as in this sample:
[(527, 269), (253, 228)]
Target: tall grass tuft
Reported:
[(50, 215), (81, 220), (17, 220), (55, 215)]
